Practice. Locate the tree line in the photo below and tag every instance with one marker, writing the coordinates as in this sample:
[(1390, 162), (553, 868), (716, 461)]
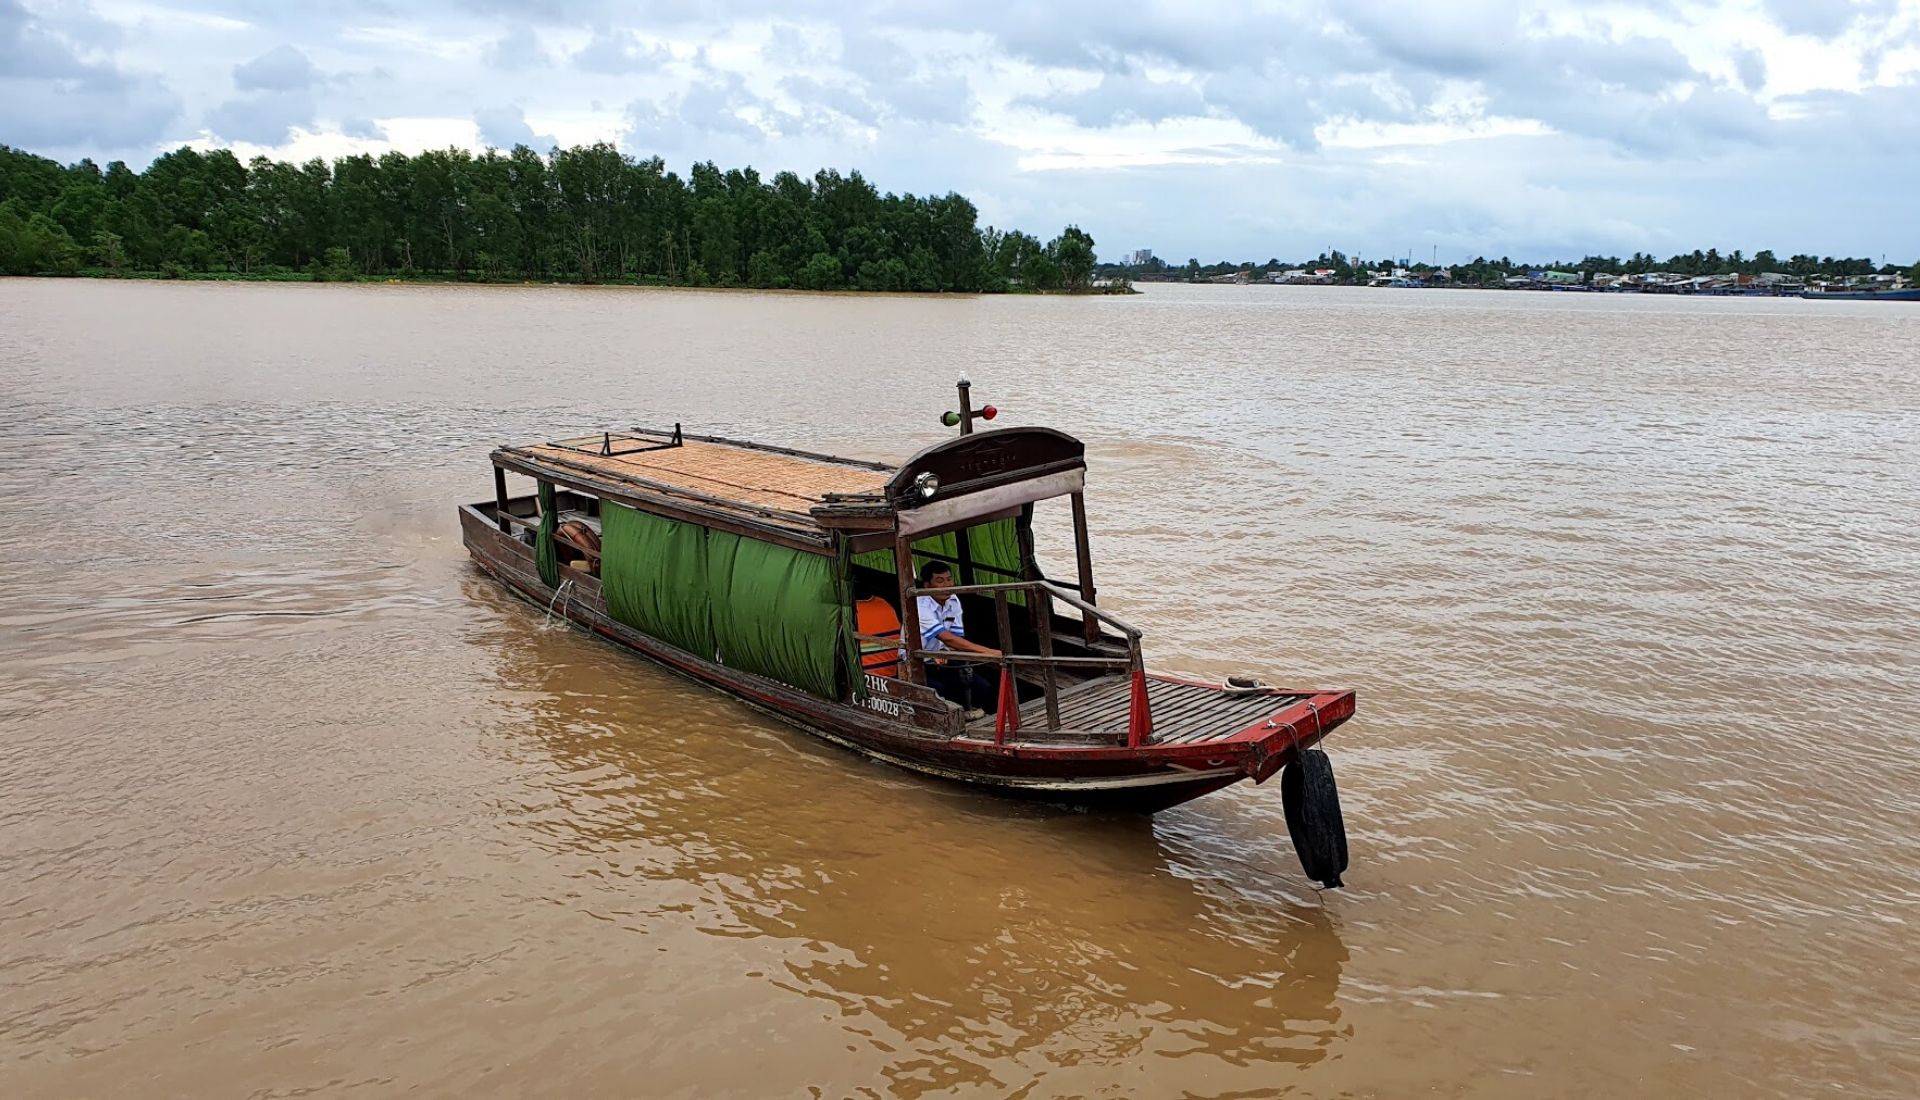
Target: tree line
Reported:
[(586, 214), (1481, 271), (1695, 263)]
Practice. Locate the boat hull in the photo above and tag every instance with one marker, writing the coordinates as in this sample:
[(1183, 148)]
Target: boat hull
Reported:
[(1103, 777)]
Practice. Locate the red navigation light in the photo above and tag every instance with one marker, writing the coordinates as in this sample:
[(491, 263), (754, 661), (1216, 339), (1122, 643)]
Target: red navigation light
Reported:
[(989, 412)]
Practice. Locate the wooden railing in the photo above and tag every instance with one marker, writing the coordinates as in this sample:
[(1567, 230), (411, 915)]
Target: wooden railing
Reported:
[(1043, 667)]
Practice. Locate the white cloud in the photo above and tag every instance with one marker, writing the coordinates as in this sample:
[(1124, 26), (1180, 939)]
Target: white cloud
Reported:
[(1350, 133), (506, 127), (281, 69), (621, 53), (1498, 125), (62, 88), (264, 118), (517, 50), (137, 12)]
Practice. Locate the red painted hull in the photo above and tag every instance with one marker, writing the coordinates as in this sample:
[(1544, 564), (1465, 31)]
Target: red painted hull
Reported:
[(1102, 777)]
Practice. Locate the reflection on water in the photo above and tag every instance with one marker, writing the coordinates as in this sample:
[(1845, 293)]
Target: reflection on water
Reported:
[(293, 800), (963, 937)]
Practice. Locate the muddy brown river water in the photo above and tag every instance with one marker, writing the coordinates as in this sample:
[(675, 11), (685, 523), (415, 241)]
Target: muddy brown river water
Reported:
[(294, 801)]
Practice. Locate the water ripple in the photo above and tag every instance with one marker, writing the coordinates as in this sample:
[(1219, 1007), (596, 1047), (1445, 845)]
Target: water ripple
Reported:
[(1625, 585)]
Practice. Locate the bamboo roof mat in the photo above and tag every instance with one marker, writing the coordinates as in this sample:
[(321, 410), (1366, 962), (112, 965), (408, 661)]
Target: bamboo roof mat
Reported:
[(742, 475)]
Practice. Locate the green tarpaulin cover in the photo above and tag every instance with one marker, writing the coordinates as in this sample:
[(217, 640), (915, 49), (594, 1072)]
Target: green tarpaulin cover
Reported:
[(775, 610), (653, 573), (750, 605), (543, 552)]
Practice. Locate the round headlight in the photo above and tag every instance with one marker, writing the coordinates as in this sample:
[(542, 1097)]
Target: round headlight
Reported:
[(927, 484)]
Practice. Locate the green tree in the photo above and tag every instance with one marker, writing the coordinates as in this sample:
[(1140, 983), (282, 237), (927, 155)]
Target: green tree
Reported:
[(1072, 252), (106, 249), (34, 244), (1015, 256), (1041, 271), (588, 213), (821, 273), (959, 252)]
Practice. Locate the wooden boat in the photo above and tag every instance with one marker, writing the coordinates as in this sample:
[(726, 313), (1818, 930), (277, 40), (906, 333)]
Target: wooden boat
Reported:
[(1902, 294), (740, 565)]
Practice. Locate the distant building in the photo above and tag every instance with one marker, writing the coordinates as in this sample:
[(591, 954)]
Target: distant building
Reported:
[(1139, 257)]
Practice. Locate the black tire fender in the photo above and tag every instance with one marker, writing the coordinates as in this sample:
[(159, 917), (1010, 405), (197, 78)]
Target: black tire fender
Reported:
[(1312, 804)]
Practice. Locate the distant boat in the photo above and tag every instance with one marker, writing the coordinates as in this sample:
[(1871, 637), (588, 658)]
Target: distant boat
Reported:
[(1904, 294)]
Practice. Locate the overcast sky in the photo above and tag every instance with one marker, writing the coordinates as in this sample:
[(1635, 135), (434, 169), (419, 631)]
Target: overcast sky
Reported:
[(1231, 129)]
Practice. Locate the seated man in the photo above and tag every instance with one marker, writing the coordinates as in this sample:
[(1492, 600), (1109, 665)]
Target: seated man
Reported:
[(942, 626)]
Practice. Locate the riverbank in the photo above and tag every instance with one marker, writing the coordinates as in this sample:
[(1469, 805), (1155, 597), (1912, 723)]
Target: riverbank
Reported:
[(1891, 289), (451, 279)]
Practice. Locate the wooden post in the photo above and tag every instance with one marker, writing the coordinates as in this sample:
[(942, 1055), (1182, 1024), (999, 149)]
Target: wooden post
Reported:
[(1003, 622), (963, 549), (1023, 532), (1029, 563), (966, 407), (1006, 709), (1139, 710), (916, 669), (1005, 723), (1044, 603), (1083, 554), (500, 500), (853, 669)]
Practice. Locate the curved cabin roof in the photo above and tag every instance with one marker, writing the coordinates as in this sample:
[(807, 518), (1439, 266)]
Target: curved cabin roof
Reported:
[(794, 497)]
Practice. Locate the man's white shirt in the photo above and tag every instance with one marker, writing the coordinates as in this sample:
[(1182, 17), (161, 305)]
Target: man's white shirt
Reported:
[(937, 618)]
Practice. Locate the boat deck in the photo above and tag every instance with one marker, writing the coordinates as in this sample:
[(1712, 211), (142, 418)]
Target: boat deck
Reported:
[(1183, 713)]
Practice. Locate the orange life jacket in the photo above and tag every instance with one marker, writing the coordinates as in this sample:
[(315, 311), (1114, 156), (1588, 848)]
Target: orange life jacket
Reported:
[(876, 616)]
